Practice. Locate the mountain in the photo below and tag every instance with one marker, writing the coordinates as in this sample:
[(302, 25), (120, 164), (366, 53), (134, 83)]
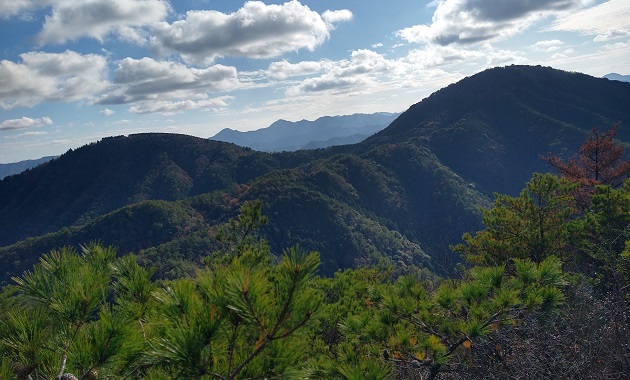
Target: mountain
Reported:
[(491, 128), (619, 77), (326, 131), (18, 167), (402, 196), (346, 140), (101, 177)]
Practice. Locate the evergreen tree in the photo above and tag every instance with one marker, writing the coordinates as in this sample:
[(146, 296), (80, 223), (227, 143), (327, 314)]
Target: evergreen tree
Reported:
[(533, 225)]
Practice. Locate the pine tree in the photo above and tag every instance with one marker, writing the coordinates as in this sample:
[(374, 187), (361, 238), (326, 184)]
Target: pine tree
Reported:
[(533, 225), (599, 162)]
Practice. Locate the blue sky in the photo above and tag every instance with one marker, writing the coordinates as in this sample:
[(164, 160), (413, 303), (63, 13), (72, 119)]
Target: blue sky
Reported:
[(74, 71)]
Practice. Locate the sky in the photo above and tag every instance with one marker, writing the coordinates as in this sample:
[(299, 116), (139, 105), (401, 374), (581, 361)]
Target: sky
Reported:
[(75, 71)]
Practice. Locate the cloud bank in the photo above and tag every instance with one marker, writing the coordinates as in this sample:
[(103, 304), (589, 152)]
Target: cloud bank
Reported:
[(256, 30), (23, 123), (51, 77), (466, 22)]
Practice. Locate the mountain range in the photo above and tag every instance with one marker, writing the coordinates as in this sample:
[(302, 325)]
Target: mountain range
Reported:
[(18, 167), (401, 196), (326, 131), (619, 77)]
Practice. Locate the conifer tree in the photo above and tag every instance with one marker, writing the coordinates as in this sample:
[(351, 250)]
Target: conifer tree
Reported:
[(533, 225), (599, 162)]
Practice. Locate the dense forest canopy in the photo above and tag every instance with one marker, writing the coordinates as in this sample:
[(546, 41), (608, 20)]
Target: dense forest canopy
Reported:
[(544, 294), (439, 248)]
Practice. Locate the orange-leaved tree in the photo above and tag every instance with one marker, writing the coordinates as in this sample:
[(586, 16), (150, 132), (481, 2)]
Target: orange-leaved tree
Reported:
[(600, 162)]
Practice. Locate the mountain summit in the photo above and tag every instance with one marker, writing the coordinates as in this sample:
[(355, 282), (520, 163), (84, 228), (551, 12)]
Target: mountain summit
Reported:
[(492, 127)]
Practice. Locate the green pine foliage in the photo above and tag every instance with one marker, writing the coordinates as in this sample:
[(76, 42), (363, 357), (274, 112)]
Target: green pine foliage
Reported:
[(244, 313), (533, 225)]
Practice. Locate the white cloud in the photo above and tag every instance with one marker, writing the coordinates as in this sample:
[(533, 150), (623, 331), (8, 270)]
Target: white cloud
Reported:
[(611, 35), (71, 20), (167, 107), (547, 46), (284, 69), (377, 45), (51, 77), (436, 55), (498, 57), (13, 7), (256, 31), (467, 22), (617, 46), (168, 87), (333, 17), (607, 20), (107, 112), (360, 72), (24, 122)]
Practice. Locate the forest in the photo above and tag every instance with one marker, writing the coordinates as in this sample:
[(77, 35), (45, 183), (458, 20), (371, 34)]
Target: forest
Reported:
[(542, 291)]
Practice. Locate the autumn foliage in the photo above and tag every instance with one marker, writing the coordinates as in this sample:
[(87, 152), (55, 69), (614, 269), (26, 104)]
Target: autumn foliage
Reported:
[(599, 161)]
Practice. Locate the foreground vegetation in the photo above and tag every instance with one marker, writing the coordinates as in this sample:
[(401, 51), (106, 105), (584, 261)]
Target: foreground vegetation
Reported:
[(544, 294)]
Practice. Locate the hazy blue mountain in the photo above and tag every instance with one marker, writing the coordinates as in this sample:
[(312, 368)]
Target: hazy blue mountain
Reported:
[(326, 131), (18, 167), (619, 77)]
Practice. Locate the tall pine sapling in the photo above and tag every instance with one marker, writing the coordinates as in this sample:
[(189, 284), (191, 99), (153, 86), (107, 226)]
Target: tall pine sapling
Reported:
[(599, 162)]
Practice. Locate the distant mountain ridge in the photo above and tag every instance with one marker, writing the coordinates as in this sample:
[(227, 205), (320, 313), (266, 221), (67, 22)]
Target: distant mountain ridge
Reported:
[(618, 77), (401, 196), (283, 135), (18, 167)]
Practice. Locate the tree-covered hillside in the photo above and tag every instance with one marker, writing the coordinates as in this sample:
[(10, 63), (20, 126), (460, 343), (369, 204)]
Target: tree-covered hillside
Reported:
[(526, 305), (405, 194)]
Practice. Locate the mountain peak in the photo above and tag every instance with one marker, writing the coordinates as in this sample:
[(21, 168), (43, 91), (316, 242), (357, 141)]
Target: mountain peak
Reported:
[(284, 135)]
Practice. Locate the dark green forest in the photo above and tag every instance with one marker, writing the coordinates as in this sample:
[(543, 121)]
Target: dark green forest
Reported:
[(543, 292), (485, 234)]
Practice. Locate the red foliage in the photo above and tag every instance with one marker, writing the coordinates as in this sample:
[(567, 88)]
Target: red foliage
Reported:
[(599, 162)]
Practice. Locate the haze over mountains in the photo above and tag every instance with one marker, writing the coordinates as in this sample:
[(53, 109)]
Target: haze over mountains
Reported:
[(402, 195), (326, 131), (619, 77), (18, 167)]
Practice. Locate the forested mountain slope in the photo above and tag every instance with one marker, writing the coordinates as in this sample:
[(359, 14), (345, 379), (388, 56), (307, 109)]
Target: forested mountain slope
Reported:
[(492, 127), (405, 194), (117, 171), (18, 167)]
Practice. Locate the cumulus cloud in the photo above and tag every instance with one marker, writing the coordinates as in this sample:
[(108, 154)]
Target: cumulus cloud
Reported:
[(164, 86), (24, 122), (436, 55), (467, 22), (361, 71), (611, 35), (168, 107), (13, 7), (146, 78), (107, 112), (333, 17), (256, 30), (368, 71), (547, 46), (606, 21), (284, 69), (71, 20), (51, 77)]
